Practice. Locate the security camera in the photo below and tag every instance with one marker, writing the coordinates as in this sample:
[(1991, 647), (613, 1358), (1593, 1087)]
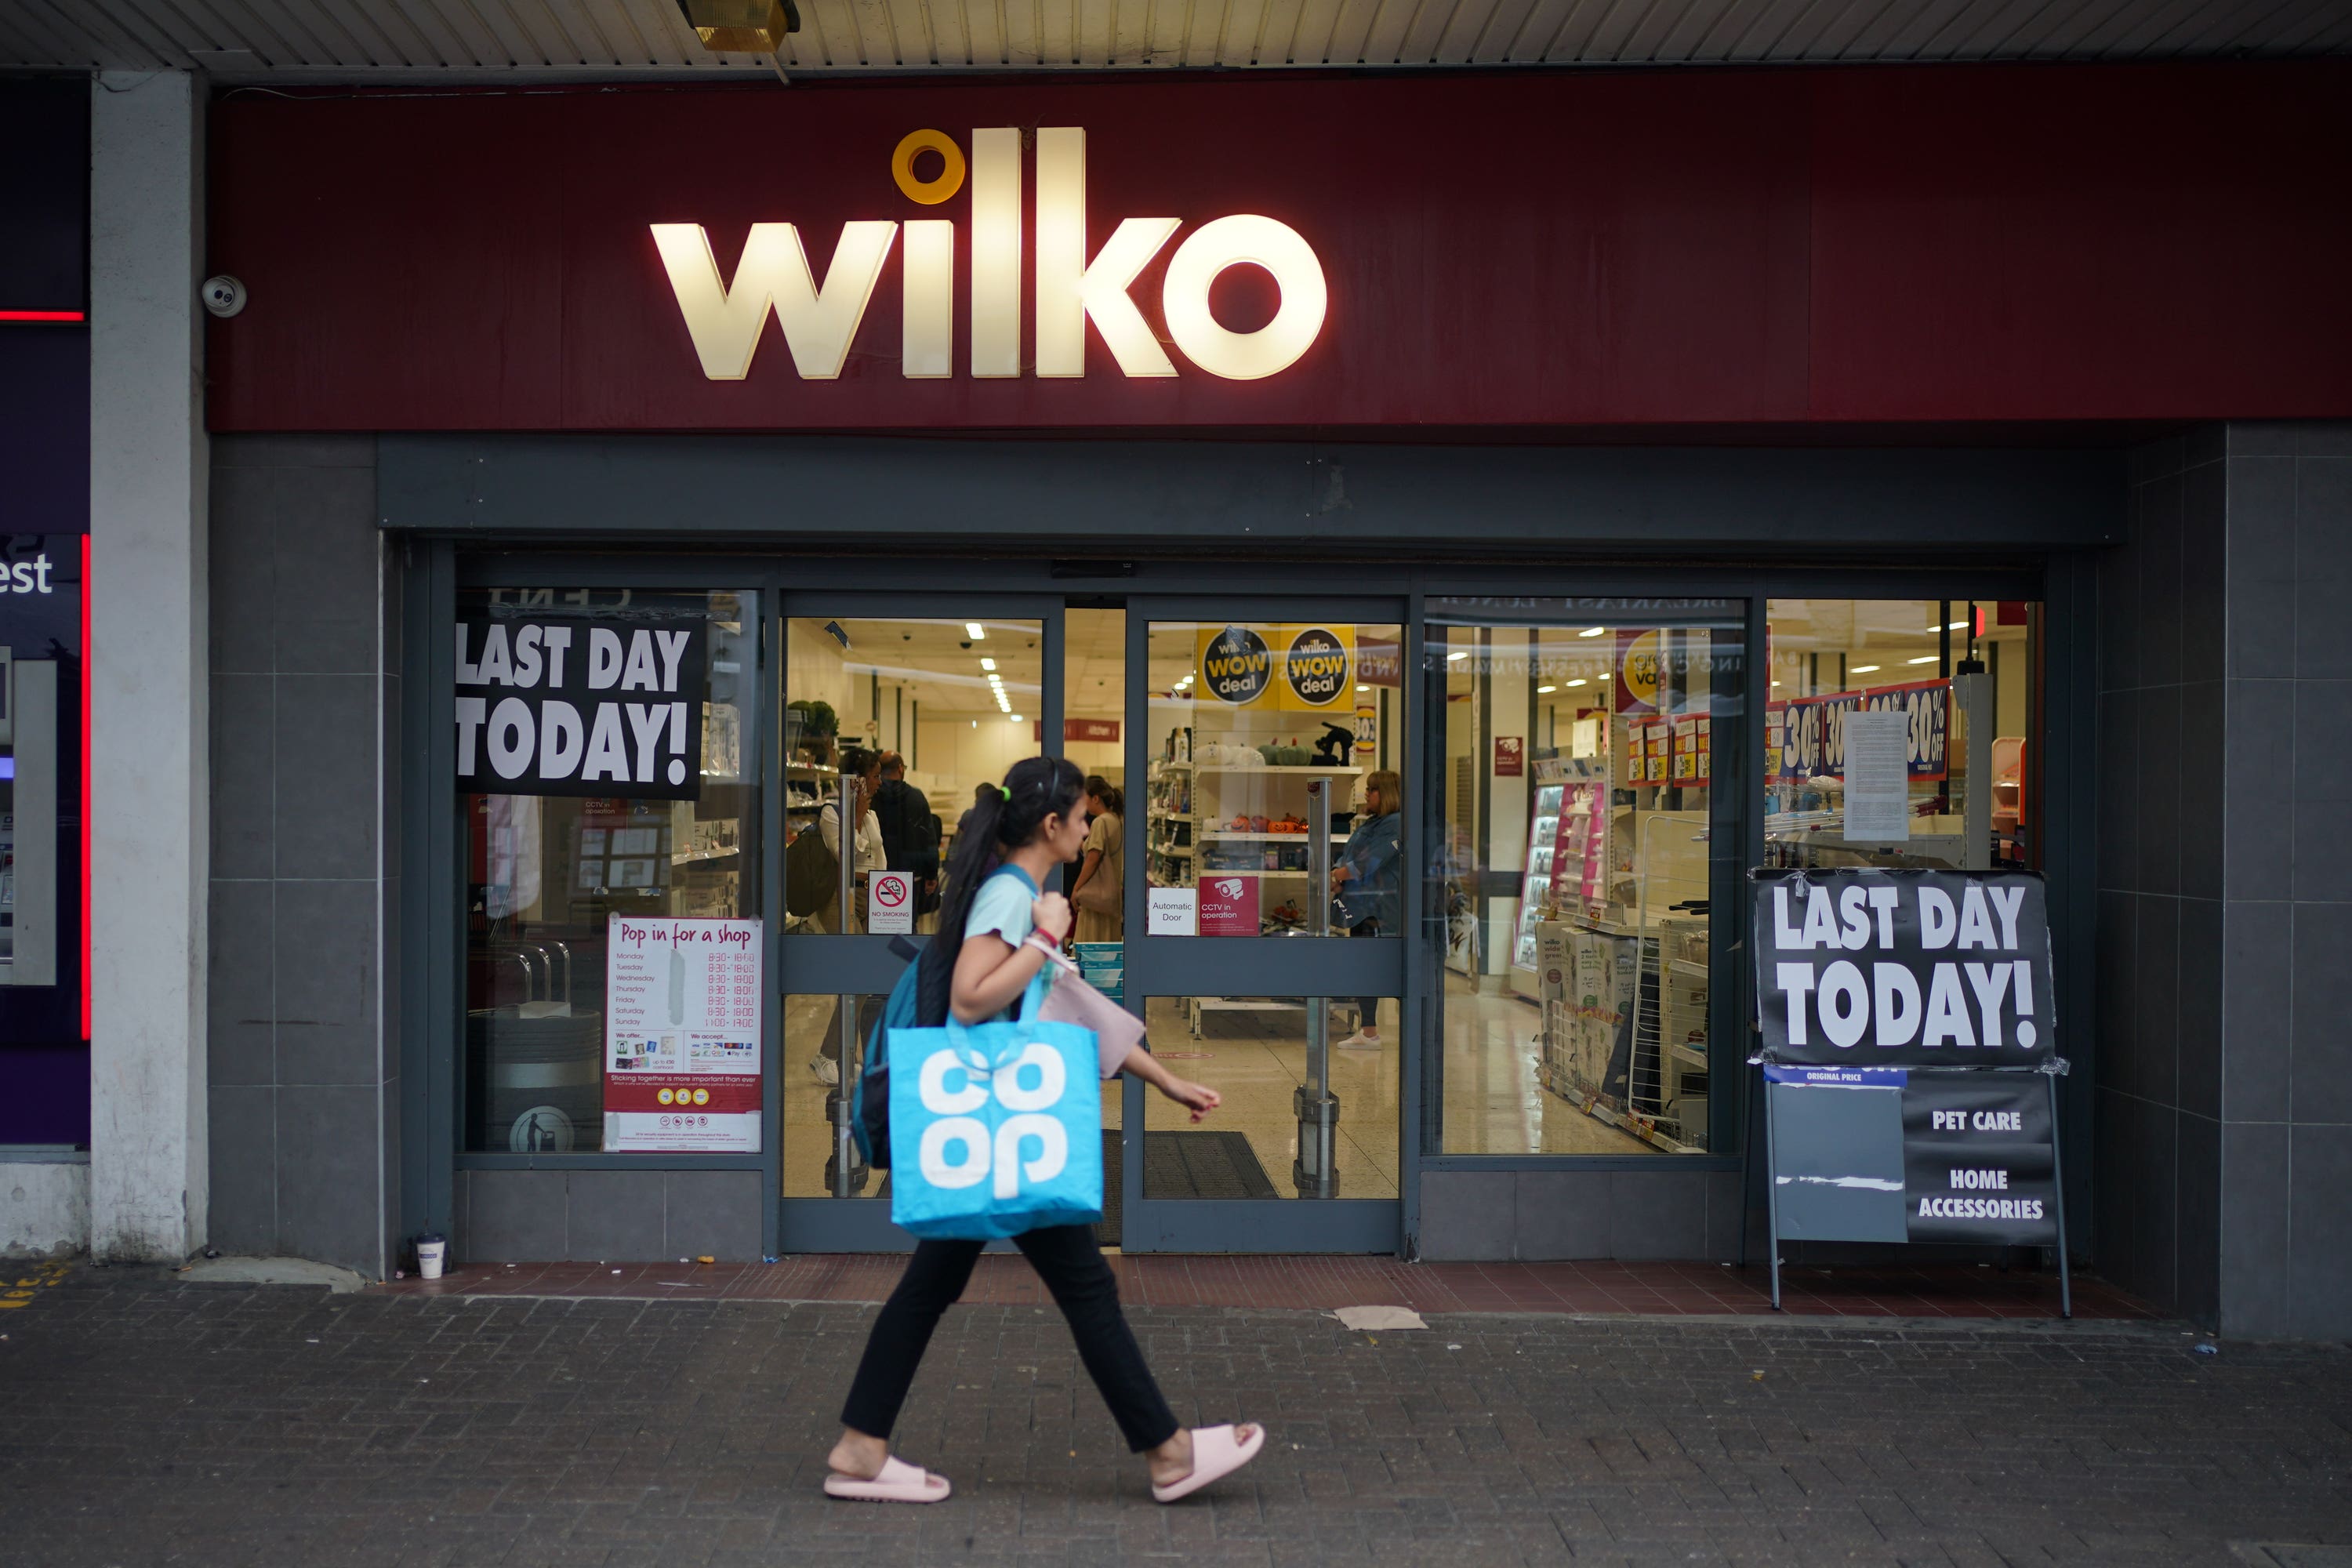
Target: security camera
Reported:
[(223, 295)]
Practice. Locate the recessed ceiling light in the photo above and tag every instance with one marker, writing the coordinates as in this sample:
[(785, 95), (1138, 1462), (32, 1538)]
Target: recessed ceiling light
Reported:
[(1577, 682), (1016, 717), (1539, 690), (973, 630), (1592, 631), (1860, 669), (988, 664), (1924, 659), (1363, 688), (1457, 653)]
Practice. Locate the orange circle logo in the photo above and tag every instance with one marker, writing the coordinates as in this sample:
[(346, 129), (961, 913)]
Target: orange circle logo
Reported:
[(930, 193)]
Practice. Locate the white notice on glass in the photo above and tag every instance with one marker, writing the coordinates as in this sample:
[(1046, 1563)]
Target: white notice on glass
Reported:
[(890, 903), (1174, 912), (1877, 776)]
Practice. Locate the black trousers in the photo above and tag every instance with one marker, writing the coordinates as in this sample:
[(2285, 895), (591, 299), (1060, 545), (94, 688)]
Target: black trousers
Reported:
[(1068, 1259)]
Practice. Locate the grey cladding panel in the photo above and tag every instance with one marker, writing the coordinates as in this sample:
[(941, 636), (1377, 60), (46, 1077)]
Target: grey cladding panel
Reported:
[(1201, 491)]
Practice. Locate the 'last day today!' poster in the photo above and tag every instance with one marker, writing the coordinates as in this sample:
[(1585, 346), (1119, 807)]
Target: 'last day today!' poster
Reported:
[(682, 1036)]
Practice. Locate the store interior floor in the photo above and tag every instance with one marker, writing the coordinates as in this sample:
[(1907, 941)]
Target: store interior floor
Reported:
[(1254, 1059)]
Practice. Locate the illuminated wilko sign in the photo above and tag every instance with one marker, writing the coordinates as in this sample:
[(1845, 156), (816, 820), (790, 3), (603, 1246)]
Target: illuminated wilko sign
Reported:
[(820, 320)]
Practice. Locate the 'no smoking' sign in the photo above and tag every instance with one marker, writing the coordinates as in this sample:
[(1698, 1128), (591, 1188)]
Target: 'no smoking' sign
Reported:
[(890, 906)]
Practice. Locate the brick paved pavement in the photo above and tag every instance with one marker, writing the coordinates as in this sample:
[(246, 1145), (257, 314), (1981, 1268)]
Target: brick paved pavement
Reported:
[(1902, 1291), (147, 1423)]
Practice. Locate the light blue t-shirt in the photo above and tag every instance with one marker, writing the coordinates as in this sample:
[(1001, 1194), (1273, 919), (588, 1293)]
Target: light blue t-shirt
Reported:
[(1005, 906)]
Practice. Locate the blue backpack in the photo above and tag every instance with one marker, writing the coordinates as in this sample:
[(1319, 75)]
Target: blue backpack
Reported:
[(872, 1123)]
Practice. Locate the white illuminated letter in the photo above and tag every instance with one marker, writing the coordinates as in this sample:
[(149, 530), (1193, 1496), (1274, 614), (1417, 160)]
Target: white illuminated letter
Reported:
[(928, 330), (725, 319), (1068, 290), (1229, 242), (996, 252)]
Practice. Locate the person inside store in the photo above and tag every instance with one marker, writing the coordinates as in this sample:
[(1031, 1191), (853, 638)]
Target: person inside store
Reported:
[(911, 833), (864, 765), (1100, 893), (996, 932), (979, 794), (1365, 882)]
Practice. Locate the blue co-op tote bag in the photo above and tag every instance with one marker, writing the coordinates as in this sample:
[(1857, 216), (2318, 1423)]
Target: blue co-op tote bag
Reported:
[(996, 1128)]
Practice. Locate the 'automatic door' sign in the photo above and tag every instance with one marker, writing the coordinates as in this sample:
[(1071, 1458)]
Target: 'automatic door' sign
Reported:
[(581, 705), (1870, 968)]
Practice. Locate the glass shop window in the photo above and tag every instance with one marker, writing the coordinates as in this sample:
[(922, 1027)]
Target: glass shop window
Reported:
[(1901, 732), (608, 776), (1572, 891)]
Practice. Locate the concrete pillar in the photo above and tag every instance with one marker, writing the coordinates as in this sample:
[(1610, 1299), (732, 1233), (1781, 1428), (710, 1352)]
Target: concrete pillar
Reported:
[(148, 633)]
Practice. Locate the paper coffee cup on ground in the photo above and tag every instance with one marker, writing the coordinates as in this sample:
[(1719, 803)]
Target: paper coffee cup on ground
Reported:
[(430, 1252)]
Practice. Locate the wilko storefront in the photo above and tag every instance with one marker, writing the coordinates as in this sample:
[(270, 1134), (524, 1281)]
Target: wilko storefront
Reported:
[(1464, 524)]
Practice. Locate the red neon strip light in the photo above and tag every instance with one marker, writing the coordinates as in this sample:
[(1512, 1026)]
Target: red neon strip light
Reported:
[(42, 316), (86, 985)]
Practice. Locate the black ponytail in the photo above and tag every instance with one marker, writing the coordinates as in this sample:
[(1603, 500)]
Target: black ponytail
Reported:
[(1113, 798), (1001, 821)]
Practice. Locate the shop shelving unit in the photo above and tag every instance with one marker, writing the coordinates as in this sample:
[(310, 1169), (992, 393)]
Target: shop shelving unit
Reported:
[(1617, 856), (1190, 801)]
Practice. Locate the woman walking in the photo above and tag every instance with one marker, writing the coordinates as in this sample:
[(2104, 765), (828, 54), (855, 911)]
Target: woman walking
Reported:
[(996, 931), (1100, 890)]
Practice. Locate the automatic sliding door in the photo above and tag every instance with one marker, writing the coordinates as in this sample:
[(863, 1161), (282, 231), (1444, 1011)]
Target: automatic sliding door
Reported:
[(1266, 906), (896, 709)]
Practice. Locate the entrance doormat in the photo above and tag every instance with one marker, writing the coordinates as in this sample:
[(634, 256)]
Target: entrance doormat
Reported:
[(1183, 1164), (1178, 1164)]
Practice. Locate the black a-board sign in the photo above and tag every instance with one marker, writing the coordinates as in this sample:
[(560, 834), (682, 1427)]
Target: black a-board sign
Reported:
[(1910, 1059), (608, 703)]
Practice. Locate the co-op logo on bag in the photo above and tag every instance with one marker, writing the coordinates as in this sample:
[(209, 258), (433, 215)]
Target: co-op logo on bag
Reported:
[(976, 1156), (820, 318)]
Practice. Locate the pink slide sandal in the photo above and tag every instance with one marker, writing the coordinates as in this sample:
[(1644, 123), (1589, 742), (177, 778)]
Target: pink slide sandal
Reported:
[(1216, 1454), (898, 1482)]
